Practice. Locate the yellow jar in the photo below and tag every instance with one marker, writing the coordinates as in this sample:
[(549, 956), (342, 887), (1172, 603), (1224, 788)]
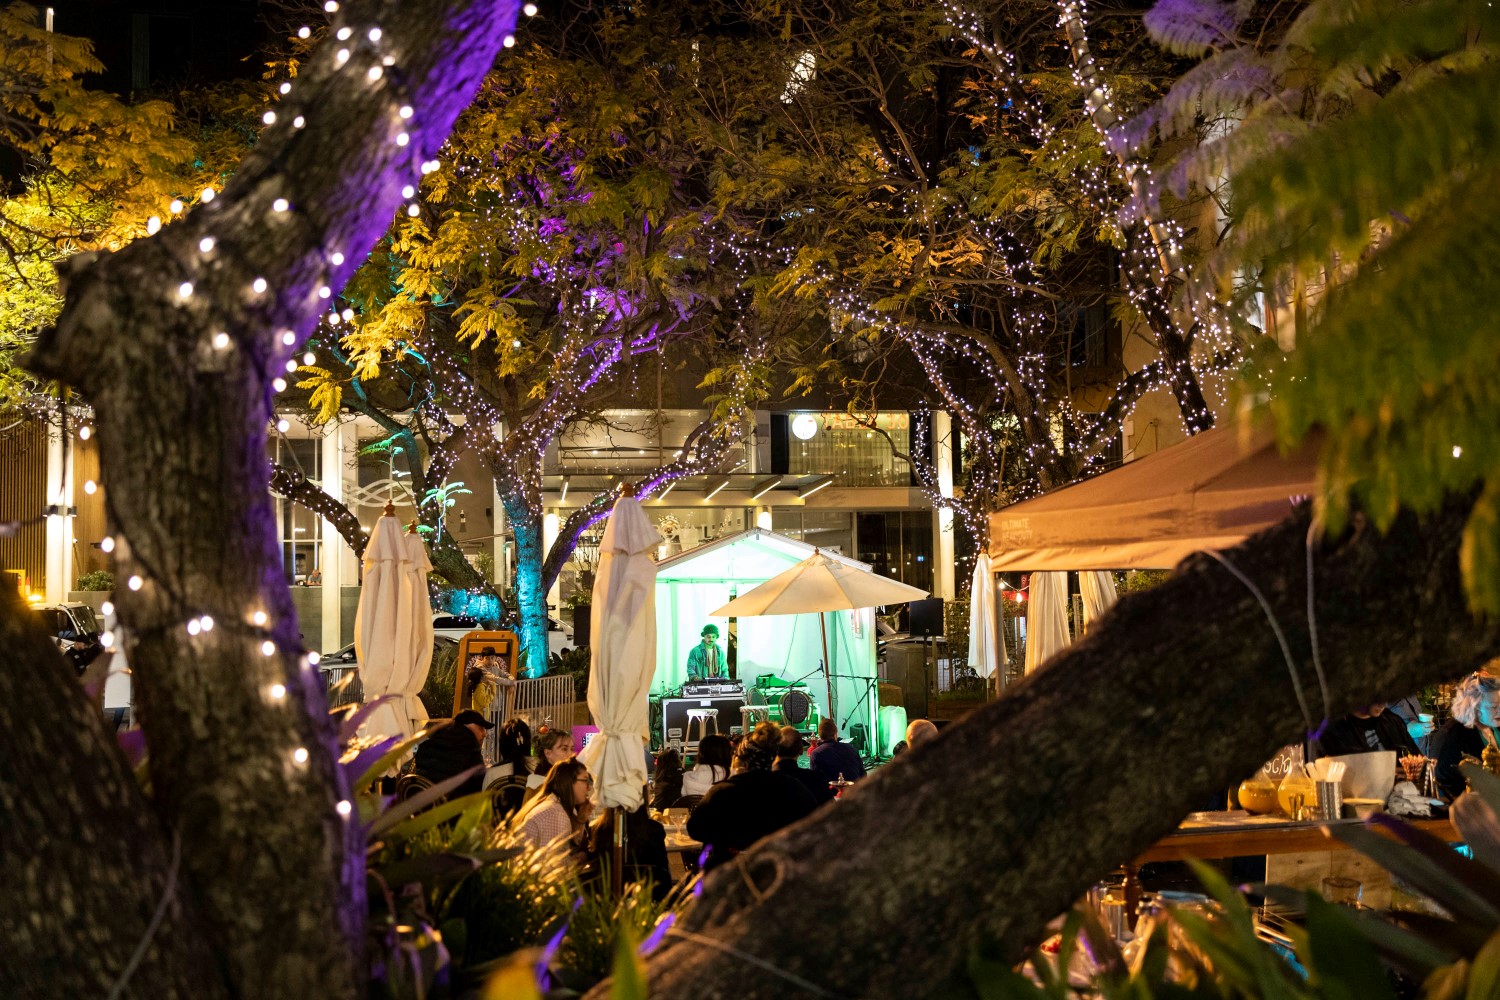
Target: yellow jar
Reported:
[(1296, 783)]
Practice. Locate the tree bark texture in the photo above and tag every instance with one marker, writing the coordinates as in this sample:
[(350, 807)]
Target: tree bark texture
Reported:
[(274, 871), (976, 840), (531, 593), (87, 867)]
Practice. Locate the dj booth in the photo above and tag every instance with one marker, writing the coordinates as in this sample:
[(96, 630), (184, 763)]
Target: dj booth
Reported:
[(778, 702)]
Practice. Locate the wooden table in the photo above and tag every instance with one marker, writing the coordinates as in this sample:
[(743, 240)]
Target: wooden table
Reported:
[(1248, 840)]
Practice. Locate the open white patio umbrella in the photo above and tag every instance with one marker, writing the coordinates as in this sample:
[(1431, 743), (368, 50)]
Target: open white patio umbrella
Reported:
[(386, 624), (986, 654), (1046, 618), (622, 656), (817, 585)]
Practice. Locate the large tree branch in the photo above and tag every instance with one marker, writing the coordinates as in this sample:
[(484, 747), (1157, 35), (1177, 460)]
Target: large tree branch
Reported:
[(175, 342), (294, 486), (1177, 693)]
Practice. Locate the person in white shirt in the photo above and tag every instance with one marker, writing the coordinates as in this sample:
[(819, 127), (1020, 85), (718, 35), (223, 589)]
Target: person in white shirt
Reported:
[(561, 812), (714, 757)]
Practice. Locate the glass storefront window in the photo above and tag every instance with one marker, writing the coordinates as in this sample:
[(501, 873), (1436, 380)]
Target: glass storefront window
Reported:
[(300, 529), (837, 444)]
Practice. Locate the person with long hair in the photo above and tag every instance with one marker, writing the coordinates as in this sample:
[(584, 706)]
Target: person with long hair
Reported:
[(752, 803), (712, 766), (666, 785), (562, 810), (513, 744), (553, 746), (1476, 716)]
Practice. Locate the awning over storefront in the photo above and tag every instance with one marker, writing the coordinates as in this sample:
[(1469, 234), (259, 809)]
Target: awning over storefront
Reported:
[(1209, 492)]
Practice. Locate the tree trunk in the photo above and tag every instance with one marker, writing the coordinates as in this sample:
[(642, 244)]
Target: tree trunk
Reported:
[(296, 487), (976, 840), (272, 866), (531, 592), (86, 865)]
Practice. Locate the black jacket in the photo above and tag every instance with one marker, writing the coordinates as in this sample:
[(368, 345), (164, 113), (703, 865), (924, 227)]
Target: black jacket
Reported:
[(449, 751), (814, 783), (1354, 735), (745, 807)]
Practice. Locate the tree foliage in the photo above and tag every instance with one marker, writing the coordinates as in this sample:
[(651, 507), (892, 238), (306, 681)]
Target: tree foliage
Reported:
[(1364, 168)]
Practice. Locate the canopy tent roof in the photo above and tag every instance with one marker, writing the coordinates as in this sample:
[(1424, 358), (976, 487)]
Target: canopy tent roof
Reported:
[(755, 554), (1209, 492)]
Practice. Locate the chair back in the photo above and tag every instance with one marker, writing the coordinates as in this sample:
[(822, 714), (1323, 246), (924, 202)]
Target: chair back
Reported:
[(509, 793), (410, 784), (688, 802)]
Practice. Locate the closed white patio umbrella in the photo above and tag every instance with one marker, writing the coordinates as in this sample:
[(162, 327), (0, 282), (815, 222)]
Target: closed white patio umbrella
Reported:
[(622, 656), (414, 569), (1046, 618), (986, 654), (1098, 589), (819, 584), (386, 625)]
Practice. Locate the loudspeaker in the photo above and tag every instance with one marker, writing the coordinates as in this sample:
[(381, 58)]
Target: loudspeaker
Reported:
[(583, 625), (858, 737), (927, 617)]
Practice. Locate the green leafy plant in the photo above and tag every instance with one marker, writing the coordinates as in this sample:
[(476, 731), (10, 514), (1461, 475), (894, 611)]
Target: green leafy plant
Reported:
[(574, 662), (98, 580)]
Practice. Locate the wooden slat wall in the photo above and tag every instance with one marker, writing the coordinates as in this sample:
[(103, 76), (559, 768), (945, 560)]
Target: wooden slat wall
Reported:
[(89, 526), (23, 493)]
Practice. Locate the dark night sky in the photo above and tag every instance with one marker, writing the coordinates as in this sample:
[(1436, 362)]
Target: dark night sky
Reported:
[(162, 43)]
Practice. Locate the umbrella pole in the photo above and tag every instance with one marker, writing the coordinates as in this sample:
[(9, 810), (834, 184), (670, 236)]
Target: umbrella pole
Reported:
[(617, 853), (827, 669)]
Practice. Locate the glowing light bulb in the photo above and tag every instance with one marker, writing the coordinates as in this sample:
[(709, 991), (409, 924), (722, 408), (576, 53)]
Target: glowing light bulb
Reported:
[(413, 211), (300, 755), (314, 658), (1458, 451), (344, 807), (85, 432), (107, 638), (336, 258), (259, 618), (135, 583), (509, 41), (283, 425), (529, 10), (375, 73), (331, 6), (268, 648), (285, 88), (375, 34), (259, 284), (175, 207), (207, 623), (298, 122), (185, 290), (309, 358), (153, 225), (278, 691), (206, 195), (280, 205), (194, 627), (206, 244), (107, 608), (341, 57), (348, 315), (304, 32), (408, 192), (279, 384), (90, 487), (107, 545), (221, 341), (402, 138), (269, 118), (288, 337), (324, 292), (344, 33), (405, 111)]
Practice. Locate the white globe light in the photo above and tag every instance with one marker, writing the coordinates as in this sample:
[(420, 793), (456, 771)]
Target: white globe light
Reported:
[(805, 426)]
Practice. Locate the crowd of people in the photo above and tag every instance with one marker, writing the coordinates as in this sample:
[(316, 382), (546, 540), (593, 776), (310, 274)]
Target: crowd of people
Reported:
[(738, 790)]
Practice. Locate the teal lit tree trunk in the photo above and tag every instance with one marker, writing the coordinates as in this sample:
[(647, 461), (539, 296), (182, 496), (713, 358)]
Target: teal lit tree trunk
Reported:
[(531, 587)]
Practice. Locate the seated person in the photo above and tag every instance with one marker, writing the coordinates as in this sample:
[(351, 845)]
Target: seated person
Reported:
[(706, 659), (791, 747), (666, 783), (1373, 727), (830, 758), (513, 746), (752, 803), (553, 746), (645, 847), (561, 812), (919, 731), (714, 756), (1476, 716), (454, 749)]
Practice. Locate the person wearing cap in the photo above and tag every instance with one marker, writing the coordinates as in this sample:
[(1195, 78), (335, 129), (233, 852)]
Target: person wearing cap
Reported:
[(706, 659), (453, 750), (81, 649), (791, 747)]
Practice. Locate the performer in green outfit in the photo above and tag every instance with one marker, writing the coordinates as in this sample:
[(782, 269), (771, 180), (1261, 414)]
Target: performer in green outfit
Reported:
[(706, 659)]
